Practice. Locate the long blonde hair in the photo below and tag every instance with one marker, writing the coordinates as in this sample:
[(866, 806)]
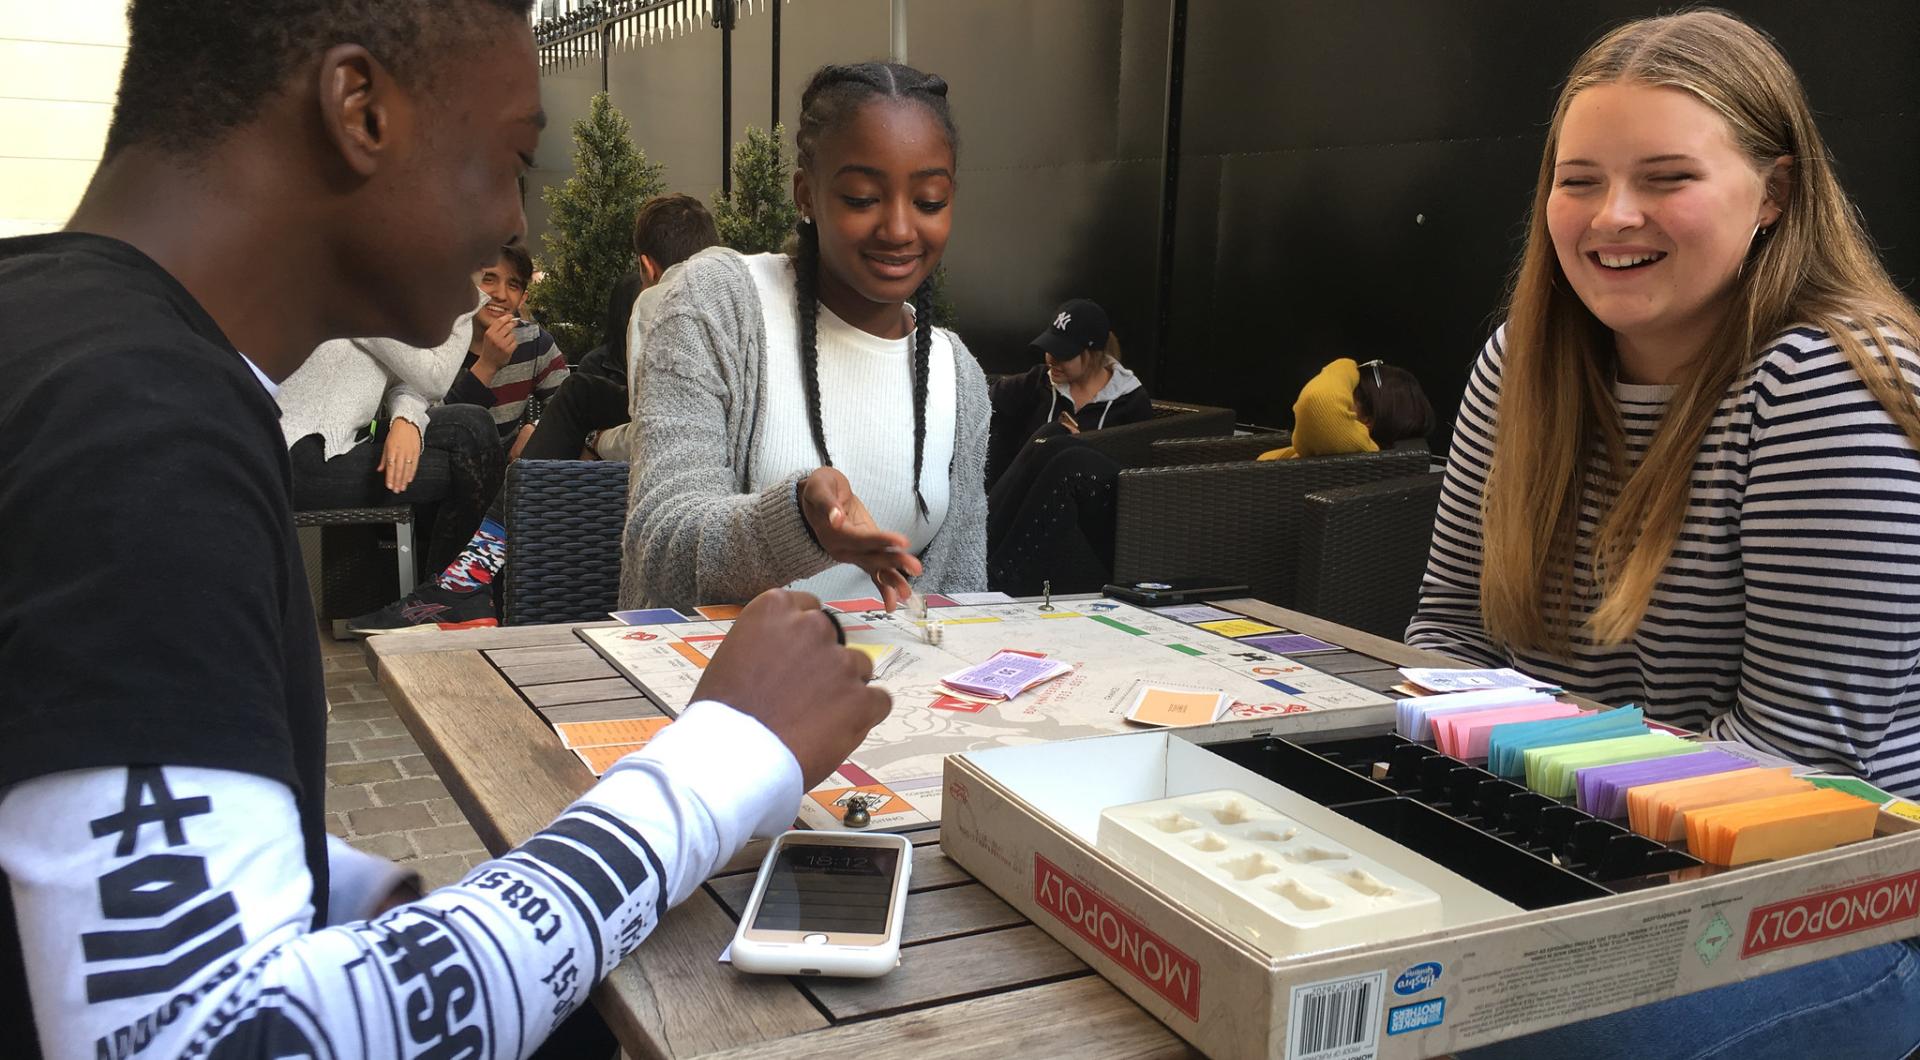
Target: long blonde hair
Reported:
[(1815, 267)]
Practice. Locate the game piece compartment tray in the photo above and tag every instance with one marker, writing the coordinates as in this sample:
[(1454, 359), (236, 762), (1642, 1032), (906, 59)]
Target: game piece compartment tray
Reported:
[(1529, 849)]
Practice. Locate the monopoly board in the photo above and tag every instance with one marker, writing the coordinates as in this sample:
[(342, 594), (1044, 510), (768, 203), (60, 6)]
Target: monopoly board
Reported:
[(1115, 649)]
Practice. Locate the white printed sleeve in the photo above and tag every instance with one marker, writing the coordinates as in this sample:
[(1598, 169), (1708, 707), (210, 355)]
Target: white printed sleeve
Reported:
[(167, 911), (358, 883)]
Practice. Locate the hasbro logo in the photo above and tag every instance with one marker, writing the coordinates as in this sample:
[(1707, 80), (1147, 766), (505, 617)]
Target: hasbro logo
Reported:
[(1416, 979), (1418, 1016)]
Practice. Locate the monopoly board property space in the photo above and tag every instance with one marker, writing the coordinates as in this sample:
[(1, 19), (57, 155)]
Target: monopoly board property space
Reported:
[(1115, 650)]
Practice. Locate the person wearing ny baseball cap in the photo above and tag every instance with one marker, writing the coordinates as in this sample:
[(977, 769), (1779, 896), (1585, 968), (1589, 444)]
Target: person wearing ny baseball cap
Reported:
[(1080, 385)]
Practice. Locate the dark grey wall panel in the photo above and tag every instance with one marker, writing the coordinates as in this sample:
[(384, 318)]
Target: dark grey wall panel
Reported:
[(1059, 164), (1021, 244), (1143, 77), (1353, 251), (1034, 84), (1329, 127)]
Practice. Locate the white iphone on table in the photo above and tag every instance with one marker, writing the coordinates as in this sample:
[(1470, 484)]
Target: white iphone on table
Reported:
[(826, 903)]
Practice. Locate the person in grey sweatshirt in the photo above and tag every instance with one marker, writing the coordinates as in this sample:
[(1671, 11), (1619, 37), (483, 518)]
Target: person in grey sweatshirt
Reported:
[(800, 420)]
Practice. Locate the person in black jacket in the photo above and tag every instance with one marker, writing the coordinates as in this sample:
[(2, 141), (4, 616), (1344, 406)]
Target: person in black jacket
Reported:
[(1081, 386), (1050, 513), (594, 395), (591, 406)]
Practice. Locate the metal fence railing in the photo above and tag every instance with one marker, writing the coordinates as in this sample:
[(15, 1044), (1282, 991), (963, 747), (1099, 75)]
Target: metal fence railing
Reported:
[(593, 30), (596, 31)]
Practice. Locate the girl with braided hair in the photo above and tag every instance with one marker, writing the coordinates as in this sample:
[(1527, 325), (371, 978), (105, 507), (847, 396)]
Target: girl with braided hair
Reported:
[(800, 421)]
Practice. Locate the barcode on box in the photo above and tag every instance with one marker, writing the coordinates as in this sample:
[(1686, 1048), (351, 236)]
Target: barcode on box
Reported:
[(1338, 1019)]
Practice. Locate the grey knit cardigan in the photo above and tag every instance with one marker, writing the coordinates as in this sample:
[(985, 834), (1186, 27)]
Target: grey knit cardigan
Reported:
[(694, 533)]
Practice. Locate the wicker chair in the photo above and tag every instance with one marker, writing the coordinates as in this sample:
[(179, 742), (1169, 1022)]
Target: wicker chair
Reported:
[(1239, 521), (564, 520), (1186, 452), (1130, 445), (1363, 551)]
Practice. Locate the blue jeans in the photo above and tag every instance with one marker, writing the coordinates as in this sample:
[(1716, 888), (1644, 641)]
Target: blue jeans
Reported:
[(1862, 1006)]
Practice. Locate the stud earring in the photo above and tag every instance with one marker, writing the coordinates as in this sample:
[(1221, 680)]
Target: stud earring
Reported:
[(805, 220)]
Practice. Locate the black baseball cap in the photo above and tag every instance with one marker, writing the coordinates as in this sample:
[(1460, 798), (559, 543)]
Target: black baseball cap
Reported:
[(1078, 326)]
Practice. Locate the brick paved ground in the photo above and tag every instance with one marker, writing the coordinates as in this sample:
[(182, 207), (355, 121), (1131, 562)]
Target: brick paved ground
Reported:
[(382, 796)]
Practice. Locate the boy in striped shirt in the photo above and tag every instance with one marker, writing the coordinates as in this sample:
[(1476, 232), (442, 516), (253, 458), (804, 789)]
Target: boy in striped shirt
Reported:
[(513, 365)]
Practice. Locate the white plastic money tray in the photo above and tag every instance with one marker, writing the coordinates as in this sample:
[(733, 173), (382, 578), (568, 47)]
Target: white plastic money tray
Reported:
[(1263, 875)]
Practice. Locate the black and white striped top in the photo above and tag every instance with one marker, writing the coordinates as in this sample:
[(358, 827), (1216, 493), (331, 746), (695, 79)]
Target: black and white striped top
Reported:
[(1789, 615)]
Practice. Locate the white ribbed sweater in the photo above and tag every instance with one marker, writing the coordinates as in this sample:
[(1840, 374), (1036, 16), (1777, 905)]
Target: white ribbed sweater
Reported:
[(866, 410)]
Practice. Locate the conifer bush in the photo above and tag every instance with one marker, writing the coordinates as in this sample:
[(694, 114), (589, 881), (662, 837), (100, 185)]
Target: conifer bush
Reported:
[(759, 216), (589, 242)]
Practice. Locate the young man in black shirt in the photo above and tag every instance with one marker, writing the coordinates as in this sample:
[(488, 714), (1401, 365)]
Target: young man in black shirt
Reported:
[(278, 174)]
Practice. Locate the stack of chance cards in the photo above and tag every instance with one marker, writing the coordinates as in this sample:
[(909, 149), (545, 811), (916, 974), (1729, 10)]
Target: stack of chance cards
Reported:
[(1006, 675), (1170, 707)]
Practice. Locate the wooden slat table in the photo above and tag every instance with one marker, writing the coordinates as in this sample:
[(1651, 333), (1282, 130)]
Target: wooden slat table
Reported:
[(977, 978)]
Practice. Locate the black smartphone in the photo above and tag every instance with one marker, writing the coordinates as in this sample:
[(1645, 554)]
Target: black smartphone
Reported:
[(1175, 591)]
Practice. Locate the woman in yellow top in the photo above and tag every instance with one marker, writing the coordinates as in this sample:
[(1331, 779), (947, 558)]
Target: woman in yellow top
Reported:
[(1347, 410)]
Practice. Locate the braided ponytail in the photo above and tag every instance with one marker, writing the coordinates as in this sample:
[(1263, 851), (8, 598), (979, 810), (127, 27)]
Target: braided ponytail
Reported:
[(922, 350), (806, 270)]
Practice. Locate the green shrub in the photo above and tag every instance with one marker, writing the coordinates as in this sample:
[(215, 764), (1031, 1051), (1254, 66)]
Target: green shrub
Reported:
[(759, 216), (589, 242)]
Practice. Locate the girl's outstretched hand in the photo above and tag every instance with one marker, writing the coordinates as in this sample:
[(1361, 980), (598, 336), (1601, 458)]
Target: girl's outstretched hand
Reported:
[(847, 532)]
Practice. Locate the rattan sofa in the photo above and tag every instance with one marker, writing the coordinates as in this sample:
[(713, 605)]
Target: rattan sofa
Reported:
[(1363, 551), (1209, 509)]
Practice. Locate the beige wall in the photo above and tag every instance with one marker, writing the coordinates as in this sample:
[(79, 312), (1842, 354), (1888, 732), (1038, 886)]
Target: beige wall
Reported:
[(59, 65)]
